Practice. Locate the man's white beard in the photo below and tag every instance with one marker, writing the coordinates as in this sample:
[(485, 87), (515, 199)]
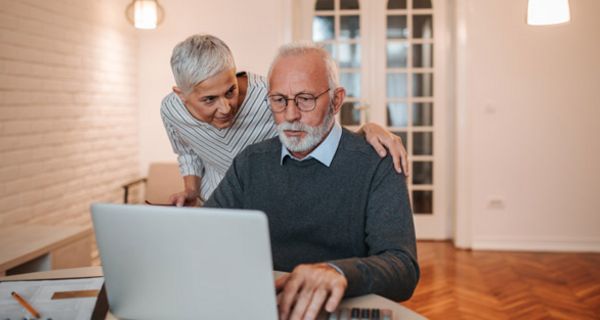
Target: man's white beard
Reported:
[(314, 135)]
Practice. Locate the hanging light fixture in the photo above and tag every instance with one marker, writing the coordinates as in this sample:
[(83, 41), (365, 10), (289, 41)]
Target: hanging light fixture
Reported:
[(144, 14), (546, 12)]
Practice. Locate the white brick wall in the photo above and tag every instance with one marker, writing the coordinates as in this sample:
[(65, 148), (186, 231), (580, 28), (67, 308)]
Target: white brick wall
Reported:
[(68, 109)]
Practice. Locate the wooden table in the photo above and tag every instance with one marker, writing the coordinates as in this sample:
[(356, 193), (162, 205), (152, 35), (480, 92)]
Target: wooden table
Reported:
[(31, 248), (367, 301)]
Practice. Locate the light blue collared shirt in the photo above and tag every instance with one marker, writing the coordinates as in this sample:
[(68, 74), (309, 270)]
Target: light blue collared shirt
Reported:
[(324, 152)]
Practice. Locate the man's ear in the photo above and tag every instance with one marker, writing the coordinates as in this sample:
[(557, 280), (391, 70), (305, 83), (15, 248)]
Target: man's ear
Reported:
[(339, 94), (179, 93)]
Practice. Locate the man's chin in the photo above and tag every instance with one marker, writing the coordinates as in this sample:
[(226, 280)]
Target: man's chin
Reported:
[(296, 144)]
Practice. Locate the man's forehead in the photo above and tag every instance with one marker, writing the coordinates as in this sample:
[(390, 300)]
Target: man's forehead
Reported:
[(298, 69), (301, 60)]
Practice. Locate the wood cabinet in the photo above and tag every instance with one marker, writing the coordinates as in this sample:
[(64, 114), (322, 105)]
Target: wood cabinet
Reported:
[(31, 248)]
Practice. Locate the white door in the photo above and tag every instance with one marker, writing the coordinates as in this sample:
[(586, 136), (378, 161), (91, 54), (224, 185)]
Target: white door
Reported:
[(393, 59)]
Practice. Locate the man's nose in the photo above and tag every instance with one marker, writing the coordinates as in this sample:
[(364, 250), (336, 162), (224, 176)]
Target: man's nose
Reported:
[(292, 113)]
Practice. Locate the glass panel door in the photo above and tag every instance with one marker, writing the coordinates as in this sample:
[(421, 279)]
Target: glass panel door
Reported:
[(386, 52)]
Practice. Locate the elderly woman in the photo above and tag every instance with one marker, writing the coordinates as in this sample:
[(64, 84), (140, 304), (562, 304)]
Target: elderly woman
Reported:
[(213, 113)]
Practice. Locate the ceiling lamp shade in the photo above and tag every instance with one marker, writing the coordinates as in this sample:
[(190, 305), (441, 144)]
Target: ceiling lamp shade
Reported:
[(546, 12), (144, 14)]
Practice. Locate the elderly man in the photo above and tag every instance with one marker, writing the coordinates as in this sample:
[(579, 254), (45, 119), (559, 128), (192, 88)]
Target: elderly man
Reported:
[(339, 216)]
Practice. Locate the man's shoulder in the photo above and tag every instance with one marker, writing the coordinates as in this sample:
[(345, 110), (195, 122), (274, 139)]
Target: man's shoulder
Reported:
[(356, 144), (355, 148)]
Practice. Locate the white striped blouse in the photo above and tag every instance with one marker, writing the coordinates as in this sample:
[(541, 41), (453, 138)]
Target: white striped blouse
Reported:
[(206, 151)]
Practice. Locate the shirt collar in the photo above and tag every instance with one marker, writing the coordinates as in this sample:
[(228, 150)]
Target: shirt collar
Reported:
[(324, 152)]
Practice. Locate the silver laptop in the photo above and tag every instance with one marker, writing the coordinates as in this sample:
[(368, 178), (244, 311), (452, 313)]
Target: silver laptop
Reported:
[(185, 263)]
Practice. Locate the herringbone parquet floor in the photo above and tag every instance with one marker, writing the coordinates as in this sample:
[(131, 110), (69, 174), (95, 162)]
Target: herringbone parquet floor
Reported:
[(464, 284)]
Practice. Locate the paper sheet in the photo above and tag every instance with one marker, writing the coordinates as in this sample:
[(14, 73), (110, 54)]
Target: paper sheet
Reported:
[(39, 294)]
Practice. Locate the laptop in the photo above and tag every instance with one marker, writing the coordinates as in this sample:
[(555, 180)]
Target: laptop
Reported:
[(185, 263)]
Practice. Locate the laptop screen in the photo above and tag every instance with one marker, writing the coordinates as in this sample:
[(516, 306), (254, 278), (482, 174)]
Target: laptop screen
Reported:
[(187, 263)]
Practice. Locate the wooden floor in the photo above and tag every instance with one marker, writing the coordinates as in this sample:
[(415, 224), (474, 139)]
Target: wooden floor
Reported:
[(463, 284)]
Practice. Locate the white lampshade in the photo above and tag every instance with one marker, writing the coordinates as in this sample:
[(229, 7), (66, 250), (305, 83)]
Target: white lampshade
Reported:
[(144, 14), (545, 12)]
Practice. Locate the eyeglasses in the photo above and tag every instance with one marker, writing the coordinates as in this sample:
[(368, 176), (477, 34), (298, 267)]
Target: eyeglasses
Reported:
[(304, 101)]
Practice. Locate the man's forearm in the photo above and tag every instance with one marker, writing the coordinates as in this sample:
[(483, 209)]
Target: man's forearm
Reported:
[(391, 268), (393, 275)]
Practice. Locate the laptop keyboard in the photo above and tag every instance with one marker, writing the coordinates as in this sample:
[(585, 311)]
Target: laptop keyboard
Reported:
[(360, 314)]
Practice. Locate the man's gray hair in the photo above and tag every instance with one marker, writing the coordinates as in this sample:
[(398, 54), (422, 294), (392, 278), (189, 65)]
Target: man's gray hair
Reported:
[(197, 58), (300, 48)]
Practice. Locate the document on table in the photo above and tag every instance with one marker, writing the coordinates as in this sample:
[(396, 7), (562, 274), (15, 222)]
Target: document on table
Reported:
[(41, 296)]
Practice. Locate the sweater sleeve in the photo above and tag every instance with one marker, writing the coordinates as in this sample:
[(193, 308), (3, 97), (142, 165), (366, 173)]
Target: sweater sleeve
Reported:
[(391, 269), (190, 164)]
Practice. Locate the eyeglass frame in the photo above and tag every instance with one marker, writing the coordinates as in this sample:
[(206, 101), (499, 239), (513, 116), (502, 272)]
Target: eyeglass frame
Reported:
[(314, 99)]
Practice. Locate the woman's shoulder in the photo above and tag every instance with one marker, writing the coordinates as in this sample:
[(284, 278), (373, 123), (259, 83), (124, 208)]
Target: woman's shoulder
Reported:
[(171, 105), (170, 100), (254, 80)]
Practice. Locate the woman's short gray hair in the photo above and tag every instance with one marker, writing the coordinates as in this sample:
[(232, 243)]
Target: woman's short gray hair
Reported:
[(300, 48), (197, 58)]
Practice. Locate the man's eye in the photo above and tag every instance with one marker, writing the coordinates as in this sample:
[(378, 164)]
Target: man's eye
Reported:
[(304, 98), (277, 99), (208, 100)]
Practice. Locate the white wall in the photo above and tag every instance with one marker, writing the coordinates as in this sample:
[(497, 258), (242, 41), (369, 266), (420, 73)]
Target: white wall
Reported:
[(528, 130), (527, 111), (253, 30), (68, 109)]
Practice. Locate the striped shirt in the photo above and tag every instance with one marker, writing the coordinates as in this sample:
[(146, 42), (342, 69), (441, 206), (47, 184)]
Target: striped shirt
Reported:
[(206, 151)]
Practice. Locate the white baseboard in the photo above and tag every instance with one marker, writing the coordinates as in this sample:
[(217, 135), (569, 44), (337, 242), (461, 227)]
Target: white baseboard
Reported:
[(536, 244)]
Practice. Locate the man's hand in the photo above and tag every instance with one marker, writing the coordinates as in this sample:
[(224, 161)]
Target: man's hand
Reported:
[(302, 293), (188, 198), (381, 139)]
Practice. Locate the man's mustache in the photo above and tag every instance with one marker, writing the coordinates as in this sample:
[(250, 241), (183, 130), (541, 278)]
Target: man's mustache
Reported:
[(295, 126)]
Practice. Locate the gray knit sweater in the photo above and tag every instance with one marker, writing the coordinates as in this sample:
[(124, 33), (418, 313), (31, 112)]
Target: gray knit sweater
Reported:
[(354, 214)]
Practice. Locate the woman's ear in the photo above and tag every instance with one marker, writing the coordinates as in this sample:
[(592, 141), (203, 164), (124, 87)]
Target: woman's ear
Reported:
[(179, 93)]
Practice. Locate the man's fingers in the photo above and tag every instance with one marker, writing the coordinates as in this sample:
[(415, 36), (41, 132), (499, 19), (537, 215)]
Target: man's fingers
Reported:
[(308, 287), (281, 281), (279, 285), (315, 304), (337, 293), (288, 296), (302, 302)]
